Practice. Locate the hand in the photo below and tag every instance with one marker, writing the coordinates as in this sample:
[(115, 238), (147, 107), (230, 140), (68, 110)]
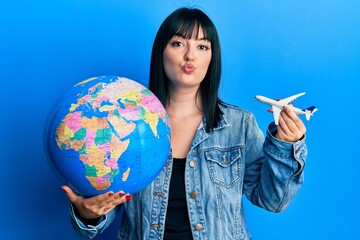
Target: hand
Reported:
[(96, 206), (290, 127)]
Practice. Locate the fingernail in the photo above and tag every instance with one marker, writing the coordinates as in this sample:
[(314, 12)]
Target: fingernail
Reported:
[(121, 194), (110, 194), (128, 197), (62, 187)]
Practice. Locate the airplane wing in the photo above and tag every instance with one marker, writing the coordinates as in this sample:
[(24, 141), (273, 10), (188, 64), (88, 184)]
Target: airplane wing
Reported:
[(276, 113), (285, 101)]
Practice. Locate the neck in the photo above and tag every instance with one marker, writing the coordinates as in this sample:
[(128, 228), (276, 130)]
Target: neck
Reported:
[(184, 103)]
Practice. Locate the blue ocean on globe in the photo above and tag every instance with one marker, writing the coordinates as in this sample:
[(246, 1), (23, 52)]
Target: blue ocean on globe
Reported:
[(108, 133)]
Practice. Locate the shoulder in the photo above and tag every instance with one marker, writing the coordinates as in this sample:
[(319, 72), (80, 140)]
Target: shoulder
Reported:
[(237, 124), (231, 111)]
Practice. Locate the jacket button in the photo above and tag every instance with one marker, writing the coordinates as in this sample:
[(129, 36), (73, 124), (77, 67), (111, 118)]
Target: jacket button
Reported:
[(198, 227), (193, 194), (192, 163), (161, 194), (155, 225)]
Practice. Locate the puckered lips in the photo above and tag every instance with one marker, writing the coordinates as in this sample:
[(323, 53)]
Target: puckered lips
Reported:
[(188, 68)]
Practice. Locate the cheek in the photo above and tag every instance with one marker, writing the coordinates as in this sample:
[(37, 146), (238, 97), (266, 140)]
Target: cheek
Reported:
[(169, 69), (206, 63), (167, 65), (169, 62), (166, 57)]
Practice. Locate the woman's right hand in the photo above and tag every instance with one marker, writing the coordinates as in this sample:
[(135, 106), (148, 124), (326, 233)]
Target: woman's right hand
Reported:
[(97, 206)]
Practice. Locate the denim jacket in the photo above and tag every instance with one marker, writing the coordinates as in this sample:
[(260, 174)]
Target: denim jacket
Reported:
[(221, 166)]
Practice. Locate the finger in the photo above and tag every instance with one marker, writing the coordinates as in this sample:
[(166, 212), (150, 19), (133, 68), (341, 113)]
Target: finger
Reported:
[(114, 196), (104, 197), (114, 200), (119, 198), (283, 129), (70, 193), (287, 123), (294, 118), (286, 128), (110, 198), (294, 122)]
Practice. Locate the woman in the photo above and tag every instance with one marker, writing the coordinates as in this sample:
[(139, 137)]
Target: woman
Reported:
[(218, 152)]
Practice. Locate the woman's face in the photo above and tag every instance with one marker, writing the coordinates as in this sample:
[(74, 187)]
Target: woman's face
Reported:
[(186, 61)]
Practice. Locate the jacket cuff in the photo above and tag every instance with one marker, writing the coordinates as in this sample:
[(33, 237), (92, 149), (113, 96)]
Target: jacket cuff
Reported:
[(86, 231), (297, 150)]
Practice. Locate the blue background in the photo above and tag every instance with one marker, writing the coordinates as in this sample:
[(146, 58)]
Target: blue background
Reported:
[(273, 48)]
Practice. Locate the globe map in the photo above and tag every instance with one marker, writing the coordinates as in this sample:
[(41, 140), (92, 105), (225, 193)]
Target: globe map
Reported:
[(108, 134)]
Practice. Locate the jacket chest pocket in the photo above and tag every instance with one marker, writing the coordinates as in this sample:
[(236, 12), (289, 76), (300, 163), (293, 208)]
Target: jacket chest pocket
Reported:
[(224, 166)]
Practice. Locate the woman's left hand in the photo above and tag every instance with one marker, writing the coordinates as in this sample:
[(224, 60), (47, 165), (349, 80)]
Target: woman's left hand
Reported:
[(290, 127)]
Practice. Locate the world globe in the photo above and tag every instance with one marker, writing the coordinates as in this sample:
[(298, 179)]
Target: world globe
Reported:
[(108, 133)]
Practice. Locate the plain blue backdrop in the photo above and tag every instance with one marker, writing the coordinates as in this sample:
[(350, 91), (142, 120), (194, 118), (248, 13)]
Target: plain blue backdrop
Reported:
[(273, 48)]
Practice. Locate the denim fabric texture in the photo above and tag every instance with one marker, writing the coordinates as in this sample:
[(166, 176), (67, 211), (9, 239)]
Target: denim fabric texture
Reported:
[(222, 166)]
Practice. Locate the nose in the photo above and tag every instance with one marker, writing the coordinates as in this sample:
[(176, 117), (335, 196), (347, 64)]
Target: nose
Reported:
[(190, 53)]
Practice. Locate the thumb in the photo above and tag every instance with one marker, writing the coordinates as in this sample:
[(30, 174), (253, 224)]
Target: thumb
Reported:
[(70, 193)]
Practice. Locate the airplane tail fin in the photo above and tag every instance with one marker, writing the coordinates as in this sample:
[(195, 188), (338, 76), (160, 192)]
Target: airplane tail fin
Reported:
[(309, 112)]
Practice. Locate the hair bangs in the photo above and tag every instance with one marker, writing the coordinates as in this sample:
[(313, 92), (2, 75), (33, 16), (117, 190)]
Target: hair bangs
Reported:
[(190, 30), (189, 24)]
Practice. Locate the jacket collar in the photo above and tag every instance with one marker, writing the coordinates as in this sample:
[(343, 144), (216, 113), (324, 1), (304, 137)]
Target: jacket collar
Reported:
[(202, 135)]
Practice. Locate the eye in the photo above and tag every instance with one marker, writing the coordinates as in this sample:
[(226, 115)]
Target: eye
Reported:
[(176, 44), (204, 47)]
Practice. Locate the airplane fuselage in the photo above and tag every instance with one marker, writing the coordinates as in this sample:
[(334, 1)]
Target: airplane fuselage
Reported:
[(278, 104)]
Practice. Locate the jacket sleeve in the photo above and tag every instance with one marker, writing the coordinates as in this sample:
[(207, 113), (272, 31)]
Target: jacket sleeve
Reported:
[(90, 231), (273, 168)]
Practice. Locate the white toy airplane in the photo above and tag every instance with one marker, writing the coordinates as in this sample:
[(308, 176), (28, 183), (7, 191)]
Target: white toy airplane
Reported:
[(277, 106)]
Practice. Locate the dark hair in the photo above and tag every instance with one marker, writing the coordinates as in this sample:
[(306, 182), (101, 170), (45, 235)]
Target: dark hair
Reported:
[(183, 22)]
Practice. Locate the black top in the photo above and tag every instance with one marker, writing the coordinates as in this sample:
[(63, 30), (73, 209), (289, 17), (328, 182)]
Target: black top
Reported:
[(177, 224)]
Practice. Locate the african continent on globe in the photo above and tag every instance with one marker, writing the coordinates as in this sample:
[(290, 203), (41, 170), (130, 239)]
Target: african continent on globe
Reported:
[(108, 134)]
